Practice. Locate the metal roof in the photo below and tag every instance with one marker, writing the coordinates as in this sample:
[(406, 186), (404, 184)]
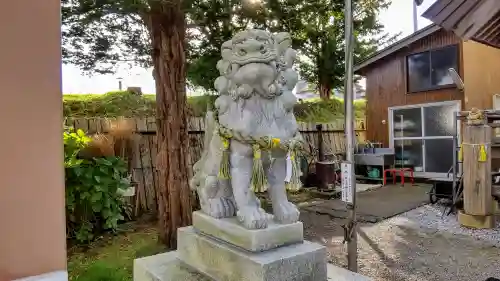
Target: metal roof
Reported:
[(478, 20)]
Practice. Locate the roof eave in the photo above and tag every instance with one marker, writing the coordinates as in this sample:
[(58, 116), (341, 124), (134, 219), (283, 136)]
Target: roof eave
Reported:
[(396, 47)]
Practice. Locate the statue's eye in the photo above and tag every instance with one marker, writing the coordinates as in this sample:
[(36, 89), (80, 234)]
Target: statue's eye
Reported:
[(242, 52), (262, 49)]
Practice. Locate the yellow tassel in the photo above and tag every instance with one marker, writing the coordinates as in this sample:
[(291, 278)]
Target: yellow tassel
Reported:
[(294, 184), (482, 154), (224, 169), (275, 142), (460, 154), (259, 180)]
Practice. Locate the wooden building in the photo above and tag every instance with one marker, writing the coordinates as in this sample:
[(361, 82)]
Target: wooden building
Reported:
[(411, 97)]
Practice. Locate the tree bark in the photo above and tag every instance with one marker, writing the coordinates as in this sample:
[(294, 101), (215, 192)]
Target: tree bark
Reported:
[(167, 25), (324, 89), (324, 92)]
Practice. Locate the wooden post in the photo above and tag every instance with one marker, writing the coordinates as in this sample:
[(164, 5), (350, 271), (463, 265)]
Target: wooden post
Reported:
[(478, 202)]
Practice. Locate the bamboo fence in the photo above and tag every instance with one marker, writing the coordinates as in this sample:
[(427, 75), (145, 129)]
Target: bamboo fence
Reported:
[(143, 157)]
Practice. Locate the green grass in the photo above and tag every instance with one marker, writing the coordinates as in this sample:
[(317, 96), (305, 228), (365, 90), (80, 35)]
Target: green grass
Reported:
[(114, 104), (111, 258)]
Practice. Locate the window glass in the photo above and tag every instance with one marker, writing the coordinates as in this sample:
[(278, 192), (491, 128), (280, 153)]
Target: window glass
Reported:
[(438, 155), (411, 125), (441, 61), (439, 120), (419, 72), (429, 70), (408, 153)]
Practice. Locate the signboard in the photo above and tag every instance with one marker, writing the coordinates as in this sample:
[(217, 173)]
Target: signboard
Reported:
[(347, 188)]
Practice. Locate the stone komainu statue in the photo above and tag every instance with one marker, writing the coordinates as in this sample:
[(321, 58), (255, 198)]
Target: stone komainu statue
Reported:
[(252, 137)]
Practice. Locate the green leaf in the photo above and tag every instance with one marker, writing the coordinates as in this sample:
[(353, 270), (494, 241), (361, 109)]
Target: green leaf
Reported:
[(96, 207), (106, 213), (96, 197), (80, 133), (85, 195), (78, 171), (103, 169)]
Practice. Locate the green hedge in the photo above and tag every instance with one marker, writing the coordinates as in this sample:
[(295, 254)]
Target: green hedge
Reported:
[(114, 104)]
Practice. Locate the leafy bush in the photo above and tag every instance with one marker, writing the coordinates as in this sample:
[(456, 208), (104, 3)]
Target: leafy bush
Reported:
[(93, 202), (112, 104), (126, 104), (325, 111)]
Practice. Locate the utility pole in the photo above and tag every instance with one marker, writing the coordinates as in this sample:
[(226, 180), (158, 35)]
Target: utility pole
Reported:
[(415, 13), (414, 17), (348, 177)]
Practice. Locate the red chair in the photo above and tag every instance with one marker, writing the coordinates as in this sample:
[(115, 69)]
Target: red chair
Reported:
[(401, 172)]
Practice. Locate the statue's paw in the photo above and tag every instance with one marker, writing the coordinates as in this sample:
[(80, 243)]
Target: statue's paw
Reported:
[(222, 207), (286, 212), (253, 218), (244, 91), (272, 89)]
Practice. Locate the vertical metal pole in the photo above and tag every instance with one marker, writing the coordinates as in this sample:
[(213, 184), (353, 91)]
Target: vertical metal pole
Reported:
[(322, 173), (415, 16), (321, 153), (402, 144), (455, 160), (352, 241)]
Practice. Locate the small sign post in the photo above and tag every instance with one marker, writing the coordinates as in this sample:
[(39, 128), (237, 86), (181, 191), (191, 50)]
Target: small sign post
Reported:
[(347, 192)]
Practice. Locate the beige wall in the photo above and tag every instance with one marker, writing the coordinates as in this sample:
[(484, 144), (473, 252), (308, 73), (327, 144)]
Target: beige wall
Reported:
[(32, 234), (481, 74)]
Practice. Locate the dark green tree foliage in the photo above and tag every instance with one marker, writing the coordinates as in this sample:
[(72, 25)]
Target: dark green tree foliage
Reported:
[(316, 26), (97, 35), (212, 22)]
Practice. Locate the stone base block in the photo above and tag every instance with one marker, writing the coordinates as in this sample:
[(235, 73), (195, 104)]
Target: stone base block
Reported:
[(166, 267), (473, 221), (222, 261), (229, 230)]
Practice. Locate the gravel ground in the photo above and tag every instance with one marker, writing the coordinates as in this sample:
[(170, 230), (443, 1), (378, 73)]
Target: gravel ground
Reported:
[(418, 245)]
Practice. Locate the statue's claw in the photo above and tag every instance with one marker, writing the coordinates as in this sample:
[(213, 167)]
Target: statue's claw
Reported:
[(253, 218), (244, 91), (272, 89), (286, 212)]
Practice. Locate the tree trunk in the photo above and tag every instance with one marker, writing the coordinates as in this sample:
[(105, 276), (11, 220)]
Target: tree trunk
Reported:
[(324, 89), (325, 92), (166, 23)]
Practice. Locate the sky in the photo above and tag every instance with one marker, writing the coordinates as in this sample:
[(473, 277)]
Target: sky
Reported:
[(397, 18)]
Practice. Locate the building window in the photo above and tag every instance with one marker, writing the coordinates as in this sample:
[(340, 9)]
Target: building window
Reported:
[(429, 70)]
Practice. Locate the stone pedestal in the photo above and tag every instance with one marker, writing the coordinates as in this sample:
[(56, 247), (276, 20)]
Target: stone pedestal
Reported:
[(222, 261), (230, 231), (222, 250), (167, 267)]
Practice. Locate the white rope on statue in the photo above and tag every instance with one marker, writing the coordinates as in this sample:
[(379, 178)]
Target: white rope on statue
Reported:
[(288, 176)]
